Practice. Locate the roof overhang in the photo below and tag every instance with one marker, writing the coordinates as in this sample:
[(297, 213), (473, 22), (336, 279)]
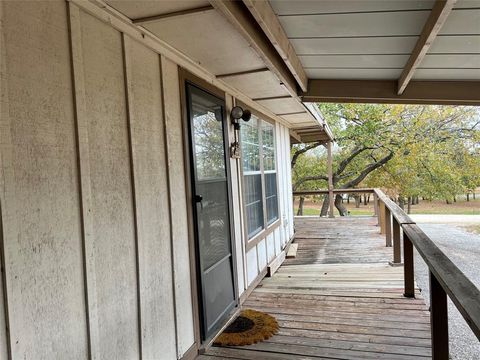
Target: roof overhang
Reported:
[(277, 54)]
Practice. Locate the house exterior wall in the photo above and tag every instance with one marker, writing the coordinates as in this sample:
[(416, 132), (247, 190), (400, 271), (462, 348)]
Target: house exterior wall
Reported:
[(93, 196)]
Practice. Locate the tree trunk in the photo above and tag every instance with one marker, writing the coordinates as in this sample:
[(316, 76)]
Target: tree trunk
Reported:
[(368, 199), (348, 199), (448, 201), (401, 202), (454, 199), (357, 201), (365, 199), (325, 205), (409, 205), (300, 206), (342, 210), (468, 197)]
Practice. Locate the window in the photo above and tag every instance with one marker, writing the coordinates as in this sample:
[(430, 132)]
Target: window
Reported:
[(260, 176)]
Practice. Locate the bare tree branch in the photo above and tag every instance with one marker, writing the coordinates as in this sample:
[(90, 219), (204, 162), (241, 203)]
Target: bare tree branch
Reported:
[(368, 169), (302, 151)]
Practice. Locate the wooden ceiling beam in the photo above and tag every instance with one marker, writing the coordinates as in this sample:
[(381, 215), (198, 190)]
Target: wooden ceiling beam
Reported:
[(237, 14), (385, 91), (153, 18), (439, 14), (294, 135), (263, 13)]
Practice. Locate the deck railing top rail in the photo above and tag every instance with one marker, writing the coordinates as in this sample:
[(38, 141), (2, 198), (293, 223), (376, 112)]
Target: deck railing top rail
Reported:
[(445, 277)]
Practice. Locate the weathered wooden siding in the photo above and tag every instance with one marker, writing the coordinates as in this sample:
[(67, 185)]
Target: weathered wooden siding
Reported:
[(4, 128), (40, 194), (176, 166), (93, 203), (91, 176), (149, 164)]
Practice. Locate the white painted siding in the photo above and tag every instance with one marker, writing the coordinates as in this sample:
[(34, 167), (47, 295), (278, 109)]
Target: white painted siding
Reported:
[(235, 169), (252, 265)]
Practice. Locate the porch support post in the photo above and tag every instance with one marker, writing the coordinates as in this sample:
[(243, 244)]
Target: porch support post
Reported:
[(330, 179)]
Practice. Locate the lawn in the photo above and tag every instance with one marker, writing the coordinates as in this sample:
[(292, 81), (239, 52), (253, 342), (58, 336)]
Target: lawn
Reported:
[(460, 207)]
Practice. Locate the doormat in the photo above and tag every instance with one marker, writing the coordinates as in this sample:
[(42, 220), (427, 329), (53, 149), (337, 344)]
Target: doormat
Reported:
[(248, 328)]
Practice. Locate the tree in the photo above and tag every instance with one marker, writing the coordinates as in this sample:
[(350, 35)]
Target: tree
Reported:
[(410, 149)]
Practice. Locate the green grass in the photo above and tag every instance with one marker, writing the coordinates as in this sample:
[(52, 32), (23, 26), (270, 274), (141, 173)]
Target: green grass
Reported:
[(353, 212), (436, 207)]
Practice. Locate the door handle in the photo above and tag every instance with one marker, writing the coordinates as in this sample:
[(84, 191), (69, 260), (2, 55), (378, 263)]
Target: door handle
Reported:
[(199, 199)]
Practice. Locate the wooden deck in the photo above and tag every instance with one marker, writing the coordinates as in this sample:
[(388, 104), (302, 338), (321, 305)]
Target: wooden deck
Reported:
[(338, 299)]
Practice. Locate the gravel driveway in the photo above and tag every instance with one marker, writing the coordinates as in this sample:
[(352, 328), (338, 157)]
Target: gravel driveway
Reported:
[(463, 248)]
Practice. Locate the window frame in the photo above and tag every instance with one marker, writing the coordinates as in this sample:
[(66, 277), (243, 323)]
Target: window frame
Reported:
[(268, 228)]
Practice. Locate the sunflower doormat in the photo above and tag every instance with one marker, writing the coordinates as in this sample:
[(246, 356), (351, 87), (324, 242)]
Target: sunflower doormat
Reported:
[(248, 328)]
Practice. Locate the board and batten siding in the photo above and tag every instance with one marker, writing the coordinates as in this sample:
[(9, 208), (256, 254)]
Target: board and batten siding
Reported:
[(91, 179)]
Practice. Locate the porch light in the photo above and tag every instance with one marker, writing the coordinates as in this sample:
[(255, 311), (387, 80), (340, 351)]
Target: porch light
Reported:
[(238, 113)]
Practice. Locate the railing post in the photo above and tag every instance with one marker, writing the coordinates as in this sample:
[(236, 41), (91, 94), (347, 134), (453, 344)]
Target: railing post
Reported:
[(382, 216), (397, 257), (388, 227), (438, 319), (375, 205), (408, 274), (331, 198)]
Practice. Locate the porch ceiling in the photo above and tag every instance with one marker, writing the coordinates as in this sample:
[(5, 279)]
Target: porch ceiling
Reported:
[(279, 53), (401, 41), (359, 40), (202, 33)]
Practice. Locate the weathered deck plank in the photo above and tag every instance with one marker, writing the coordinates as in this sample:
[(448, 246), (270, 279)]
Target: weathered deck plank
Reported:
[(338, 299)]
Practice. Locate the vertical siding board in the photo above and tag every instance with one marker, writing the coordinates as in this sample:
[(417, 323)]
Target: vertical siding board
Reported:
[(281, 180), (152, 209), (41, 220), (252, 265), (286, 189), (84, 180), (6, 176), (178, 200), (236, 204), (289, 185), (113, 242)]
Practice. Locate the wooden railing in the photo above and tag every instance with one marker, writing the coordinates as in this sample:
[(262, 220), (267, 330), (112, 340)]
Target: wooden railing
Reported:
[(446, 279)]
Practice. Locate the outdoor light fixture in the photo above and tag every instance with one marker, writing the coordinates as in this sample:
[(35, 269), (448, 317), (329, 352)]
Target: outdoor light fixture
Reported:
[(236, 114)]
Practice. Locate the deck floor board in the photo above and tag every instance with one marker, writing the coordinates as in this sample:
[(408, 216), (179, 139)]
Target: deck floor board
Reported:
[(337, 299)]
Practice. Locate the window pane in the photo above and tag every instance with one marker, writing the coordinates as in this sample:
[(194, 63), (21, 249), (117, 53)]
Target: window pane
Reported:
[(253, 203), (250, 145), (268, 142), (208, 133), (271, 196), (250, 138)]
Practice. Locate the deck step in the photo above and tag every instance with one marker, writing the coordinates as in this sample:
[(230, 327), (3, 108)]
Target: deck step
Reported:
[(292, 251)]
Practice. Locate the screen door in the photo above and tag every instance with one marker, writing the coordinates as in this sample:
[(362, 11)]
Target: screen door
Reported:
[(211, 207)]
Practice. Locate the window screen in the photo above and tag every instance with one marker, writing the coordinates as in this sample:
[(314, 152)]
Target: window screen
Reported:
[(260, 177)]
